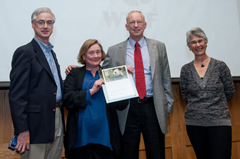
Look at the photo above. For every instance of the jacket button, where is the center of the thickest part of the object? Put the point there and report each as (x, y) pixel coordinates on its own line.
(54, 110)
(55, 93)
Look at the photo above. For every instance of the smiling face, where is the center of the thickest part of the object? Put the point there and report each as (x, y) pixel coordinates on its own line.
(42, 26)
(136, 25)
(197, 45)
(93, 57)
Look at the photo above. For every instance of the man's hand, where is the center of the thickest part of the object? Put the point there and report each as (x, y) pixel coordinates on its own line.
(69, 68)
(23, 142)
(97, 85)
(130, 69)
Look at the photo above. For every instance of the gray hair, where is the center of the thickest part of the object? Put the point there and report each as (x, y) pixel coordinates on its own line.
(40, 10)
(196, 32)
(133, 12)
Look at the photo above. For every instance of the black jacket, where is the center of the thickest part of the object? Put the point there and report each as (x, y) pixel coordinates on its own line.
(74, 99)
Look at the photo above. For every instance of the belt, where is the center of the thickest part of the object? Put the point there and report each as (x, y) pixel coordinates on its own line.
(58, 104)
(144, 100)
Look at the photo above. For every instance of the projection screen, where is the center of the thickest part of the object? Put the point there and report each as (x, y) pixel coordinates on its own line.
(167, 21)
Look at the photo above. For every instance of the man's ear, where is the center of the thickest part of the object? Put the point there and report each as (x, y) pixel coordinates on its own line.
(32, 25)
(126, 26)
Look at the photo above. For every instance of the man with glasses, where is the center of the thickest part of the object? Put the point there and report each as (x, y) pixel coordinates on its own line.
(36, 92)
(147, 61)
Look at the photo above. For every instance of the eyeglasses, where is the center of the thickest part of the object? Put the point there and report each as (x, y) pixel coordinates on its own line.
(42, 23)
(196, 41)
(139, 22)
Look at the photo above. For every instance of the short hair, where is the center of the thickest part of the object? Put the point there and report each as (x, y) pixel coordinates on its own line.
(133, 12)
(86, 45)
(40, 10)
(196, 32)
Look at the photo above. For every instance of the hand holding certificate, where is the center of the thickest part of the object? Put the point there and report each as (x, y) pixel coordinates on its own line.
(119, 84)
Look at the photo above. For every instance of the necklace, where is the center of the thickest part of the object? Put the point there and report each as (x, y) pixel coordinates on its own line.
(202, 64)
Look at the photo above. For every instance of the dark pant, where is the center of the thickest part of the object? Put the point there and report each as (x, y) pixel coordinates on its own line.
(90, 151)
(142, 118)
(211, 142)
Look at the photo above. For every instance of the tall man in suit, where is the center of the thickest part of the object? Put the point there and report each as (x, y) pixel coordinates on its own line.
(148, 113)
(36, 92)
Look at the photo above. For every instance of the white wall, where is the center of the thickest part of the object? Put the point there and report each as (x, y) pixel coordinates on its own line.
(167, 21)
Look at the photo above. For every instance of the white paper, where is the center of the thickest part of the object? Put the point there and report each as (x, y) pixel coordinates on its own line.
(119, 84)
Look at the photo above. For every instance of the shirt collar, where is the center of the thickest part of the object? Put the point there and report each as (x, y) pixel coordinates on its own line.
(43, 45)
(132, 42)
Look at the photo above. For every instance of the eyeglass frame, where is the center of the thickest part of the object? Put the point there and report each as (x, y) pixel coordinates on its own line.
(196, 41)
(139, 22)
(43, 22)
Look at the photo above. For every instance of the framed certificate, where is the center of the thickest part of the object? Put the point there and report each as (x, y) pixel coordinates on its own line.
(119, 84)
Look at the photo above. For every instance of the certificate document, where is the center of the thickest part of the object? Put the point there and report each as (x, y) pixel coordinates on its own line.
(119, 84)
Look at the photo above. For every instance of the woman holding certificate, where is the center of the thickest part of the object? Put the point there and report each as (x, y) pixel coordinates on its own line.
(88, 132)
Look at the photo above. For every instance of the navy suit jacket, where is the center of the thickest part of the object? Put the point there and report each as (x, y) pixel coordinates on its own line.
(32, 93)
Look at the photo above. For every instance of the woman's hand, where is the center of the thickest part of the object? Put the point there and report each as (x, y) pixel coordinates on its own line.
(97, 85)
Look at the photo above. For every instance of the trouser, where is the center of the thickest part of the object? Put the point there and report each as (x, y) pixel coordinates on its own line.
(90, 151)
(211, 142)
(51, 150)
(142, 118)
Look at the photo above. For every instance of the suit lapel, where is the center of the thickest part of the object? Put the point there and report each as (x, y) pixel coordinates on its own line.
(122, 53)
(152, 53)
(41, 58)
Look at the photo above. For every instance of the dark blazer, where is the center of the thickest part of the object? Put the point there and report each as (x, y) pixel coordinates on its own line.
(32, 93)
(74, 99)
